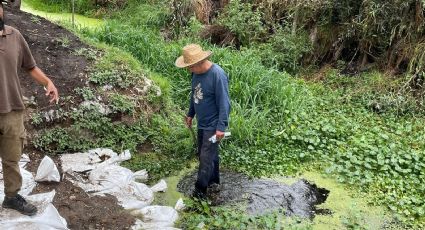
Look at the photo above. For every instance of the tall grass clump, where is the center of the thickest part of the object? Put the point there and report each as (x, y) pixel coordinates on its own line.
(279, 124)
(261, 97)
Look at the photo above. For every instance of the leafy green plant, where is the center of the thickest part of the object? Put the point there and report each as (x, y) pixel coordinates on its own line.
(117, 69)
(36, 118)
(64, 41)
(354, 221)
(86, 93)
(199, 214)
(285, 50)
(244, 20)
(90, 54)
(59, 140)
(91, 129)
(172, 148)
(279, 124)
(35, 19)
(122, 103)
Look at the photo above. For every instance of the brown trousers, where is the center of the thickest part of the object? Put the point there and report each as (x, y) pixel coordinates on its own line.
(12, 138)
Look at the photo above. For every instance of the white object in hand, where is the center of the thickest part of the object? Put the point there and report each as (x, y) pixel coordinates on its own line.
(213, 139)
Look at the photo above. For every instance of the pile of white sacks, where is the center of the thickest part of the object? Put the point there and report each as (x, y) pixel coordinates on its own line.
(47, 217)
(105, 176)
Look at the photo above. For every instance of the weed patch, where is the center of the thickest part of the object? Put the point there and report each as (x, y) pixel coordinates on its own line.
(279, 124)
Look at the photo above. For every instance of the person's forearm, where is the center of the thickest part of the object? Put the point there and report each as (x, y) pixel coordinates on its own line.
(42, 79)
(39, 76)
(222, 103)
(223, 119)
(191, 112)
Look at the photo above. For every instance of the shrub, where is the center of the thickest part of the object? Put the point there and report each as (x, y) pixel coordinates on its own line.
(285, 50)
(243, 20)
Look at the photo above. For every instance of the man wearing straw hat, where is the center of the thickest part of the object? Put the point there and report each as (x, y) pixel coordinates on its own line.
(15, 54)
(210, 103)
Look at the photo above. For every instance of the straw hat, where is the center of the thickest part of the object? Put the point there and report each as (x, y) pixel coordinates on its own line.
(192, 54)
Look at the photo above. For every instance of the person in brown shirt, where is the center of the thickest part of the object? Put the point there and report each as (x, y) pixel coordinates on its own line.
(15, 54)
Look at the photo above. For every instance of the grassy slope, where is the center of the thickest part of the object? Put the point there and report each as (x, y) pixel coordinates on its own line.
(280, 124)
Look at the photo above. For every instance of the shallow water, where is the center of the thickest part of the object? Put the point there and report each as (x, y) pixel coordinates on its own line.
(345, 204)
(80, 20)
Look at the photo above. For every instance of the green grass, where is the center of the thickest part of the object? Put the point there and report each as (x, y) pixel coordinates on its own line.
(46, 6)
(54, 15)
(84, 7)
(150, 117)
(280, 124)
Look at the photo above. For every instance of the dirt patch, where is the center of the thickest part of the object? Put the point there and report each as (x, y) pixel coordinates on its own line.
(82, 211)
(53, 48)
(221, 36)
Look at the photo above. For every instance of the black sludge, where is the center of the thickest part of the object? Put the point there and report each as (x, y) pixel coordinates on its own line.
(261, 195)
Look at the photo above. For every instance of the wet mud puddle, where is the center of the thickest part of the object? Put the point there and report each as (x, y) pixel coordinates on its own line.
(261, 196)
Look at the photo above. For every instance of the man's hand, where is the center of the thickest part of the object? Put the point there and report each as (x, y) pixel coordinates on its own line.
(219, 135)
(42, 79)
(52, 92)
(188, 121)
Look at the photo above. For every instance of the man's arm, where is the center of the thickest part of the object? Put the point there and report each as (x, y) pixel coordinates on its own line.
(223, 105)
(28, 63)
(42, 79)
(191, 113)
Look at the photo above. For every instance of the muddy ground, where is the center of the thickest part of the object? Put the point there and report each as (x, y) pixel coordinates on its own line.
(261, 196)
(54, 48)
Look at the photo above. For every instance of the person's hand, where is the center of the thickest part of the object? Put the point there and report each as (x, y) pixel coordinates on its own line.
(219, 135)
(52, 92)
(188, 121)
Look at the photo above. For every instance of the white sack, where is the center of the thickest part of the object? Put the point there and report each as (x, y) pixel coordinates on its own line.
(47, 217)
(77, 162)
(108, 177)
(47, 171)
(119, 181)
(84, 162)
(152, 226)
(135, 196)
(28, 183)
(141, 175)
(161, 186)
(179, 205)
(156, 213)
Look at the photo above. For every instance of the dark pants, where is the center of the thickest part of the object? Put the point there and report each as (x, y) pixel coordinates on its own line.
(208, 172)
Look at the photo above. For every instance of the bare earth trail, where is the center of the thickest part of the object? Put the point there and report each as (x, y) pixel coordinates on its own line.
(53, 48)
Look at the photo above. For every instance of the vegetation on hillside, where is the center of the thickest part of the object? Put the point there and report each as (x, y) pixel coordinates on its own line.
(366, 129)
(94, 8)
(122, 107)
(386, 34)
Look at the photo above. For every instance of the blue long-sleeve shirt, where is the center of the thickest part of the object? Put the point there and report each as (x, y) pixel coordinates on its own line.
(210, 99)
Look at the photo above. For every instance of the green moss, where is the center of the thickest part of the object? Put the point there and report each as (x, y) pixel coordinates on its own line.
(349, 208)
(170, 197)
(80, 21)
(279, 124)
(163, 83)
